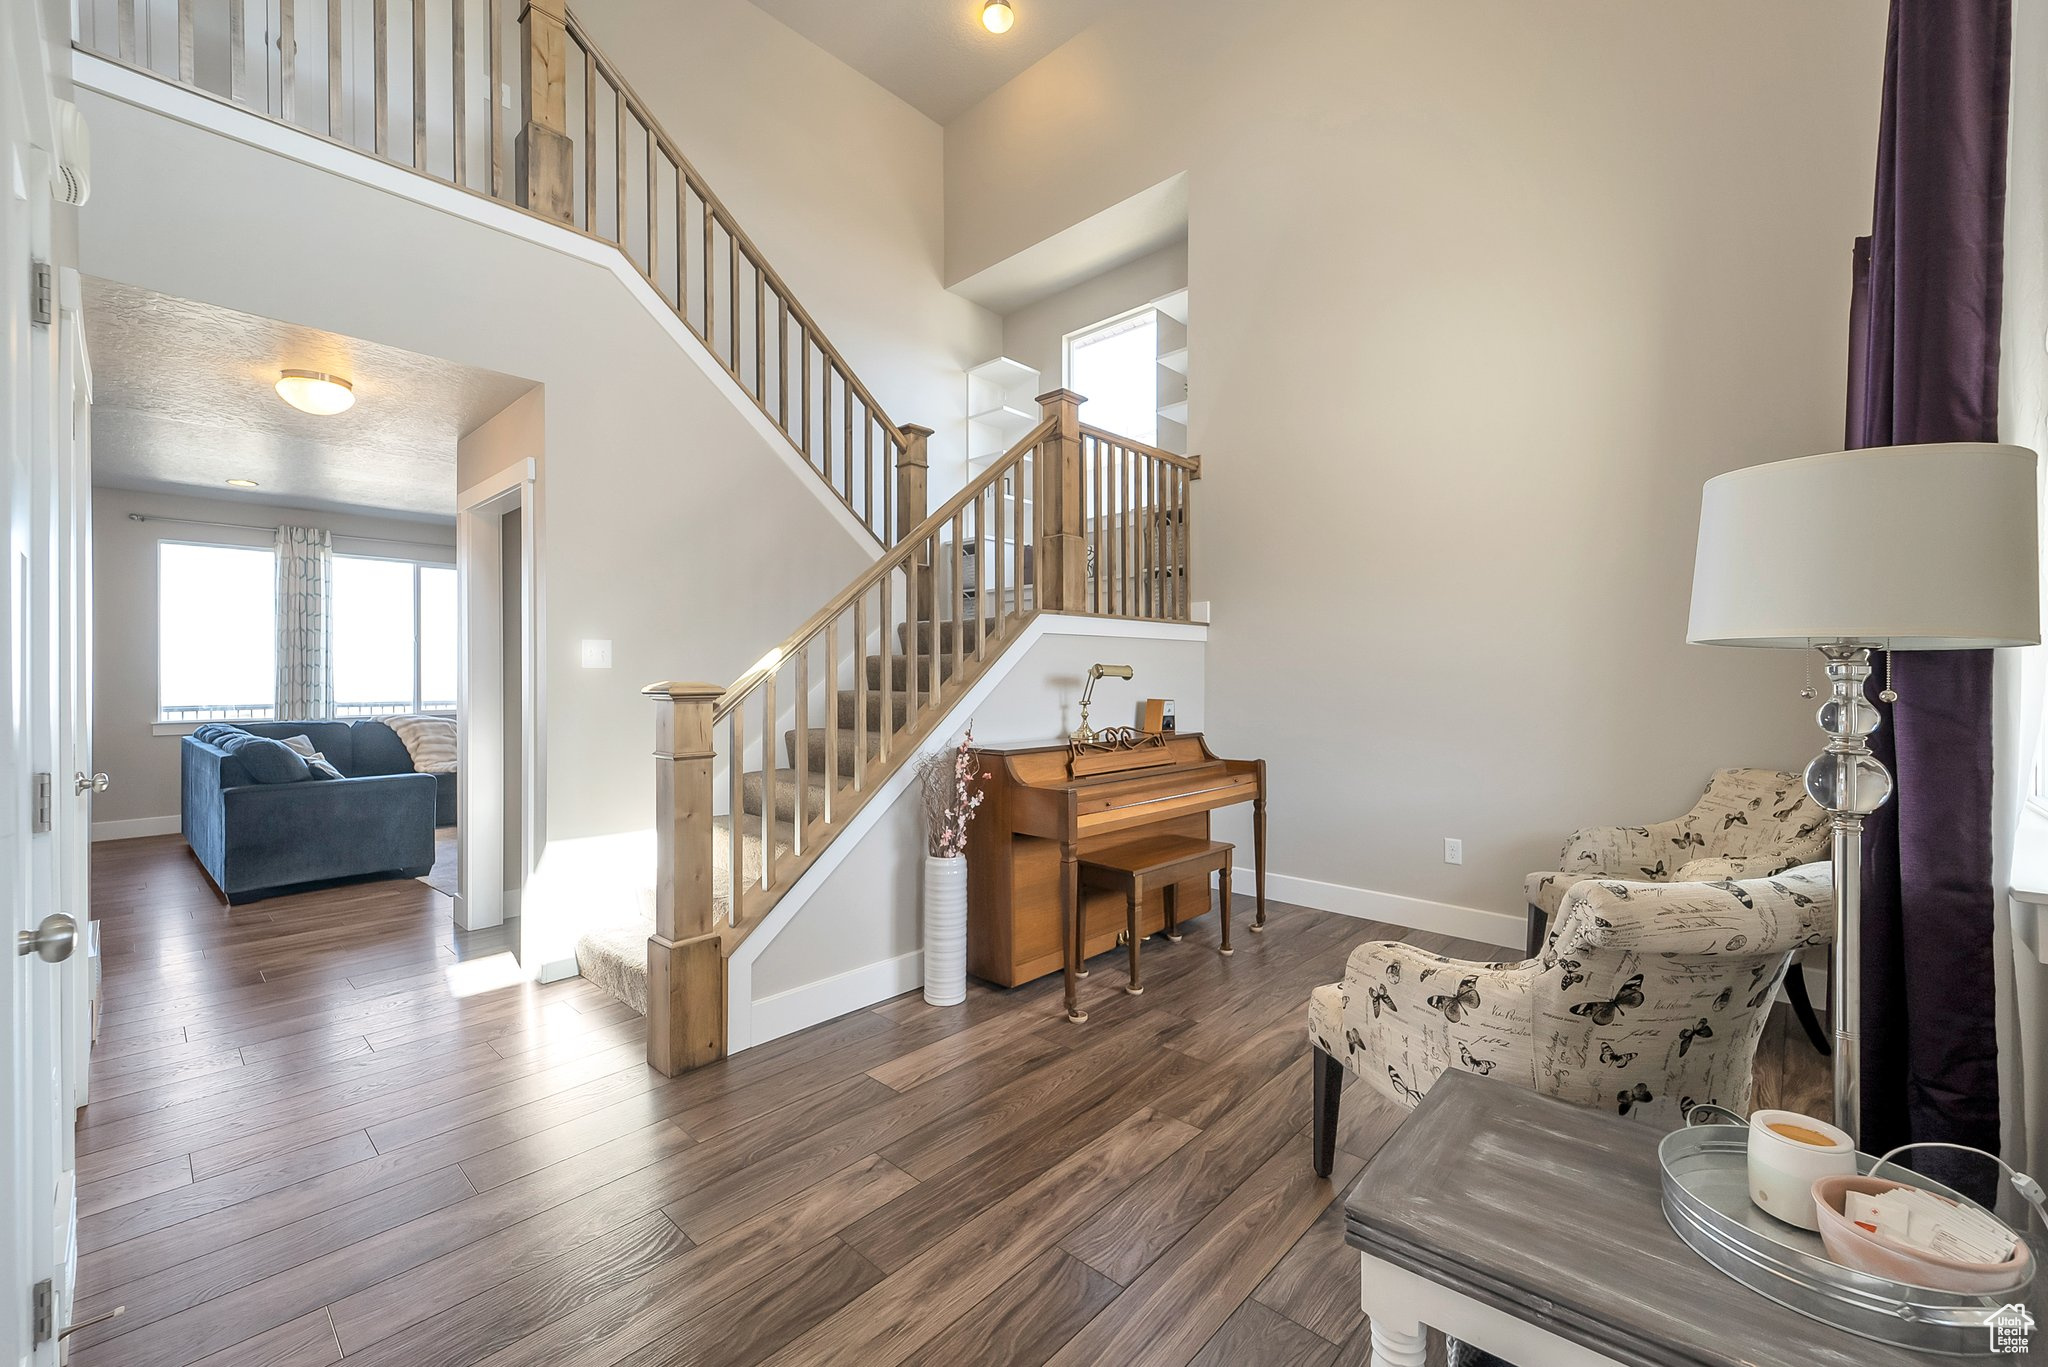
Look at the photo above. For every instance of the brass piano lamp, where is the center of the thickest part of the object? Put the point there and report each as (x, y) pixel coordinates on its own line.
(1084, 733)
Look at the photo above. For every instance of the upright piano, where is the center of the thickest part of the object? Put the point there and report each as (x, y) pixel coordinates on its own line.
(1046, 806)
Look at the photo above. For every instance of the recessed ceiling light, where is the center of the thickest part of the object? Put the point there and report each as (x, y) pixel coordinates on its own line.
(311, 391)
(242, 483)
(997, 16)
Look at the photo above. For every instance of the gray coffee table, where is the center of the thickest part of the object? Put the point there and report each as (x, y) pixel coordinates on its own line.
(1534, 1230)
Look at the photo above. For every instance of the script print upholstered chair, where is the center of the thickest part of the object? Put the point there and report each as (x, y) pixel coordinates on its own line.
(1647, 998)
(1748, 824)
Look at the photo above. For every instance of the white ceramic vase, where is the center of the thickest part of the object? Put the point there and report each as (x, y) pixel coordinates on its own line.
(945, 930)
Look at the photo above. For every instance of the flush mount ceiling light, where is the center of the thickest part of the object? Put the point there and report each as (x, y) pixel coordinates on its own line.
(241, 484)
(997, 16)
(311, 391)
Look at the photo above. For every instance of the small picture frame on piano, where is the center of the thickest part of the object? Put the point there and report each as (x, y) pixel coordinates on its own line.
(1155, 716)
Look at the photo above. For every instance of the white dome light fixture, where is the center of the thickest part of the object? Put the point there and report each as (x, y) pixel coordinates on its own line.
(997, 16)
(313, 391)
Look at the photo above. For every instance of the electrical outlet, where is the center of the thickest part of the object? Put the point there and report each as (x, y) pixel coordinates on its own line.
(597, 654)
(1454, 850)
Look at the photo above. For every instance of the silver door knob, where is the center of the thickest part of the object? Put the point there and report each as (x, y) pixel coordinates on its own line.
(95, 784)
(52, 941)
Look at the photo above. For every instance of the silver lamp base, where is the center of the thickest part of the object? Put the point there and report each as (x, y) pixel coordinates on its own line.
(1850, 783)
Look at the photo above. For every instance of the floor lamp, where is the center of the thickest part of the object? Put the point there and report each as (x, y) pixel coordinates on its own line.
(1931, 547)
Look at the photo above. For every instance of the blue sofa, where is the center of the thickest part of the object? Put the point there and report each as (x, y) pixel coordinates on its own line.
(261, 824)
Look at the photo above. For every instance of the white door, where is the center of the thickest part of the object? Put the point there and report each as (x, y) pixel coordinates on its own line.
(36, 1209)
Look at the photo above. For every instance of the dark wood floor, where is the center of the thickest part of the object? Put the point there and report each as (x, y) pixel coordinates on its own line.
(305, 1142)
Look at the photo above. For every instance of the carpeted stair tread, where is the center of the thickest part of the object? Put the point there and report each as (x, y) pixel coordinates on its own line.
(849, 702)
(899, 670)
(615, 956)
(849, 741)
(785, 794)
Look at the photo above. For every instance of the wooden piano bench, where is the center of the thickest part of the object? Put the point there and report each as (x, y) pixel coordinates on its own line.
(1157, 861)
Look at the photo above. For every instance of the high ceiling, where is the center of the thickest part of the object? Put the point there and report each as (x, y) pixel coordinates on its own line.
(934, 54)
(183, 402)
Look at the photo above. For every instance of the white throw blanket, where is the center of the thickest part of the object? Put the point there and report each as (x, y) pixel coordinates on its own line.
(429, 740)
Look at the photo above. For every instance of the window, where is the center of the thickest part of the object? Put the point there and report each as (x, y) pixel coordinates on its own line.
(1116, 366)
(216, 632)
(394, 637)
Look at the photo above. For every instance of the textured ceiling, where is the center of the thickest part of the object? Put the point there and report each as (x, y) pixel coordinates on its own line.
(934, 54)
(183, 402)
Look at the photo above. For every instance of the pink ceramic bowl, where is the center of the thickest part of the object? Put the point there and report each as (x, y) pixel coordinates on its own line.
(1853, 1246)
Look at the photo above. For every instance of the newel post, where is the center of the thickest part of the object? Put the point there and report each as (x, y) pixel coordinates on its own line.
(685, 961)
(912, 468)
(543, 152)
(1062, 570)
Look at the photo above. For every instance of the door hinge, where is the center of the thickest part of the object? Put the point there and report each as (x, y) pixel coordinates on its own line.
(42, 294)
(43, 1311)
(43, 813)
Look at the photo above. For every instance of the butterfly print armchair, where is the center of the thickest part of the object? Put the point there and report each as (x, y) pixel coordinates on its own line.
(1647, 998)
(1749, 823)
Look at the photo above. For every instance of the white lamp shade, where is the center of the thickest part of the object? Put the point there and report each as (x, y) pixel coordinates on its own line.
(1933, 547)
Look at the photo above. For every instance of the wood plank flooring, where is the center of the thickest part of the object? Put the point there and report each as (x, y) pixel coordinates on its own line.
(306, 1146)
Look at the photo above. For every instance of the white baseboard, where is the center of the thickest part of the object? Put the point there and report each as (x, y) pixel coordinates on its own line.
(1504, 928)
(139, 826)
(785, 1013)
(555, 970)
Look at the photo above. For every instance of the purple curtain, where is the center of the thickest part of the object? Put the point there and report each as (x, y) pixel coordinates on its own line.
(1924, 368)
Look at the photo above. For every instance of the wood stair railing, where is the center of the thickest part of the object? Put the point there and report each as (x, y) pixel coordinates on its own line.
(413, 82)
(1070, 519)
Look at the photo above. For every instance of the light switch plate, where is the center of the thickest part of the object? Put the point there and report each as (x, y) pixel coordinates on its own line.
(597, 654)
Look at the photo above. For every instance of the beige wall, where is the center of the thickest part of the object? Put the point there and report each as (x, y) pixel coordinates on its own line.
(1036, 334)
(143, 765)
(1484, 290)
(838, 181)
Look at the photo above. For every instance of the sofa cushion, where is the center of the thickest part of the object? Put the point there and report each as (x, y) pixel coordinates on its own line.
(379, 750)
(334, 739)
(266, 760)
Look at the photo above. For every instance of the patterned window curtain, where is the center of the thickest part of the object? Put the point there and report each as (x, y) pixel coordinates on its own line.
(305, 622)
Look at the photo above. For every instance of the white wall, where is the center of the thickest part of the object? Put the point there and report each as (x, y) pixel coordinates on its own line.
(1036, 334)
(838, 181)
(672, 525)
(1484, 291)
(856, 938)
(143, 798)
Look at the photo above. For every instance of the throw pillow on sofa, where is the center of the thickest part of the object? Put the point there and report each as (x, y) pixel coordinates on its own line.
(321, 766)
(268, 761)
(215, 731)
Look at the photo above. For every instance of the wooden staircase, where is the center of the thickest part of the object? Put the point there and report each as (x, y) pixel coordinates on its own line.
(1071, 519)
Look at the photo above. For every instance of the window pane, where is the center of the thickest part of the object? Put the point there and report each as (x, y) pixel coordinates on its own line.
(1117, 368)
(216, 632)
(373, 636)
(437, 639)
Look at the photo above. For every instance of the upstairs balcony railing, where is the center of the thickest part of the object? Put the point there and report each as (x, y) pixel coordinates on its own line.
(516, 102)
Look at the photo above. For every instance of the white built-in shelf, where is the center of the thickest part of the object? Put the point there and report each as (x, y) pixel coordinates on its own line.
(1008, 420)
(1176, 412)
(1175, 360)
(1174, 306)
(1004, 373)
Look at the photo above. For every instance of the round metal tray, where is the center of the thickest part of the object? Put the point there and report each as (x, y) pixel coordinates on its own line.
(1706, 1199)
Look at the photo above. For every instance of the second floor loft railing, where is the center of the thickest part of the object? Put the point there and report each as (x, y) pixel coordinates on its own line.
(514, 101)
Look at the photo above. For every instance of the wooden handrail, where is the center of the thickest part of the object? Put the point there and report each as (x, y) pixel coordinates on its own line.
(891, 562)
(746, 243)
(1192, 464)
